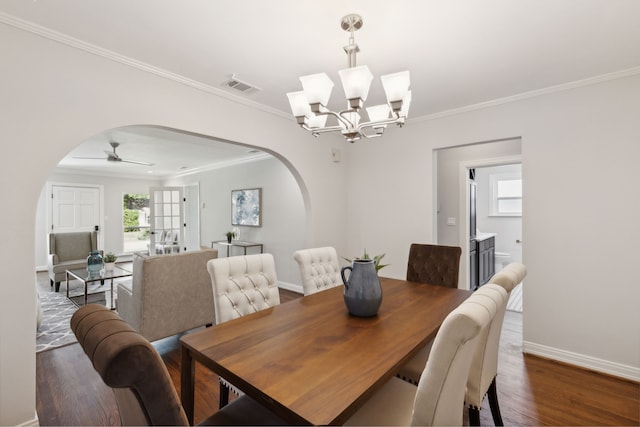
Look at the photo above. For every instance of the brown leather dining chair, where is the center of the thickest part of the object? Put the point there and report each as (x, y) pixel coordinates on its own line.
(141, 383)
(434, 264)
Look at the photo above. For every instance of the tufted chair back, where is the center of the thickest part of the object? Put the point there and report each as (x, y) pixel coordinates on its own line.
(484, 366)
(434, 264)
(129, 364)
(439, 398)
(243, 285)
(441, 389)
(510, 276)
(319, 269)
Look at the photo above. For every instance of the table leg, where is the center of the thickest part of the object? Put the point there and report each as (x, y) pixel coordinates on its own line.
(111, 306)
(67, 274)
(187, 377)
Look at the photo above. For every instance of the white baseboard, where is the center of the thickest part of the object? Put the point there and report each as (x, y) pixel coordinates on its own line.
(291, 287)
(34, 422)
(583, 361)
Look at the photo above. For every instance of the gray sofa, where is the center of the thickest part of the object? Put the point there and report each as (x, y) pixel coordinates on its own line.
(68, 251)
(168, 294)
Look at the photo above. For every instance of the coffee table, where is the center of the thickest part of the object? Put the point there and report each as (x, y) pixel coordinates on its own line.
(86, 278)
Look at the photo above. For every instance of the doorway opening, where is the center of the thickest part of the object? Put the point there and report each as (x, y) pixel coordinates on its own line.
(452, 224)
(497, 215)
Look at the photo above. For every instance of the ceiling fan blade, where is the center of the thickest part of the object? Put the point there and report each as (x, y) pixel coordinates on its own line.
(136, 162)
(112, 156)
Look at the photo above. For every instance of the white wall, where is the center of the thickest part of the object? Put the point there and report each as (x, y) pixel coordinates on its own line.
(579, 149)
(579, 153)
(54, 97)
(283, 229)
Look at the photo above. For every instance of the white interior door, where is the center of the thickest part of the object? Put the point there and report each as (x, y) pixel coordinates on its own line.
(74, 208)
(167, 219)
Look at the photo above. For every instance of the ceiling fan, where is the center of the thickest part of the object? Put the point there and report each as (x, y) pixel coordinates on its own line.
(112, 156)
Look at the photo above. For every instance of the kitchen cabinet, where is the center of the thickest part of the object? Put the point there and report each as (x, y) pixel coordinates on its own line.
(473, 264)
(486, 259)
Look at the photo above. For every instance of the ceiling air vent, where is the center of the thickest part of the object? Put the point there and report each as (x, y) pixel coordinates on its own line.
(237, 84)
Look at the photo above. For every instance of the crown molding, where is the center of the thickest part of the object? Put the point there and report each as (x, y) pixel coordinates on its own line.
(155, 177)
(225, 164)
(81, 171)
(122, 59)
(532, 94)
(90, 48)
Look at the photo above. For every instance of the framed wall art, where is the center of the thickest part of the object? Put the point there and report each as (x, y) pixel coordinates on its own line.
(246, 207)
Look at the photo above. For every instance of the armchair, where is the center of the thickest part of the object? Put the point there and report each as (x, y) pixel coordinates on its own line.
(168, 294)
(69, 251)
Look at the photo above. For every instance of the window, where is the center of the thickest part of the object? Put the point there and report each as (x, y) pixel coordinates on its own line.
(135, 221)
(506, 194)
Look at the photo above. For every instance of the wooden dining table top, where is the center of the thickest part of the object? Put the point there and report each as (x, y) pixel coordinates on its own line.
(310, 361)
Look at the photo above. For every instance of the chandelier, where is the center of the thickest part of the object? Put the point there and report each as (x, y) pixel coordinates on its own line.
(309, 106)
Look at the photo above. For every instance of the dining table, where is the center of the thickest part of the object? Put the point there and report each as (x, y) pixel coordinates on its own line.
(311, 362)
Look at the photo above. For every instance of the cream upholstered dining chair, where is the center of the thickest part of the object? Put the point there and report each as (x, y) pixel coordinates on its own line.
(484, 369)
(319, 269)
(510, 276)
(241, 285)
(484, 365)
(141, 383)
(434, 264)
(439, 397)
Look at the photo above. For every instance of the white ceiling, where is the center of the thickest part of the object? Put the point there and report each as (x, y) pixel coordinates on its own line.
(460, 52)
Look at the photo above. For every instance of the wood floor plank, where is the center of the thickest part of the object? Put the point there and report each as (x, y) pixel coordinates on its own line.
(532, 391)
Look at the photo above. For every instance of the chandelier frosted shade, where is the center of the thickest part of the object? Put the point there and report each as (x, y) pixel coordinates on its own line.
(299, 104)
(356, 82)
(396, 86)
(310, 106)
(378, 112)
(317, 88)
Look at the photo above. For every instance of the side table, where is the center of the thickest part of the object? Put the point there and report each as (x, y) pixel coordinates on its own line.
(238, 243)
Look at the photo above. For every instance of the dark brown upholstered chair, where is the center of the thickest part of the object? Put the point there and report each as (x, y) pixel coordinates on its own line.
(144, 392)
(434, 264)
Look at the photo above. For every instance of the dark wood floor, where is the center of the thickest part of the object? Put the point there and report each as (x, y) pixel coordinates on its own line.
(532, 391)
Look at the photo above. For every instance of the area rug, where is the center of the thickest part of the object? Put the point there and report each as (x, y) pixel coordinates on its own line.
(57, 309)
(54, 331)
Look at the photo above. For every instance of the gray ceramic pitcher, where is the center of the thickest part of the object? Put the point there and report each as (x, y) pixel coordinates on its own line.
(362, 290)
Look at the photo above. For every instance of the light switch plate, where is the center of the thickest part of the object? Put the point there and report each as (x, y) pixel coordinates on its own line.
(335, 155)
